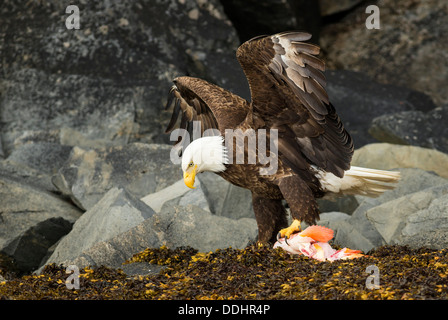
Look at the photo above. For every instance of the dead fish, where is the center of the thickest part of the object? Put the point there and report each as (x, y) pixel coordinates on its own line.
(313, 242)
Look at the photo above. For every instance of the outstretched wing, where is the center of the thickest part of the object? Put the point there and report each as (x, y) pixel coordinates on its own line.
(211, 106)
(288, 91)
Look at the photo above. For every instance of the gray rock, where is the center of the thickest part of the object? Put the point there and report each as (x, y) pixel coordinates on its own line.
(356, 231)
(194, 197)
(36, 163)
(197, 228)
(327, 218)
(388, 156)
(66, 109)
(425, 221)
(141, 168)
(346, 204)
(32, 247)
(117, 212)
(27, 175)
(173, 226)
(32, 221)
(212, 193)
(106, 43)
(415, 128)
(2, 153)
(115, 251)
(413, 219)
(224, 198)
(434, 239)
(412, 180)
(44, 157)
(408, 50)
(352, 233)
(106, 82)
(358, 100)
(177, 194)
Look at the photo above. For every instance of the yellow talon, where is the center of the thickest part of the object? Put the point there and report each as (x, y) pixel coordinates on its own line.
(294, 227)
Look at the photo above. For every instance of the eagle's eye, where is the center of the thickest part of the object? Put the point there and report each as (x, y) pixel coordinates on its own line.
(191, 164)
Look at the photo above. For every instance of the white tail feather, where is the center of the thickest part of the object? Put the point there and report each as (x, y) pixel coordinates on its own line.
(357, 180)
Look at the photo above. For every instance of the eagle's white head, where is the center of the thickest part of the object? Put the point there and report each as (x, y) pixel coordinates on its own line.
(203, 154)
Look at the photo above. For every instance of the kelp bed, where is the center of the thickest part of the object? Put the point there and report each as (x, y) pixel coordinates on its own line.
(257, 272)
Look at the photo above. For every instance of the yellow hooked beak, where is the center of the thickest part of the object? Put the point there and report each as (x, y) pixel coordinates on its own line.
(189, 176)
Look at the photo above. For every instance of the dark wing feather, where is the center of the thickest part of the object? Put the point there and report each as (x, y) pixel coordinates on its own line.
(198, 100)
(288, 92)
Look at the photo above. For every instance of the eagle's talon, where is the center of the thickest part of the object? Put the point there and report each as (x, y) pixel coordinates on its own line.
(287, 232)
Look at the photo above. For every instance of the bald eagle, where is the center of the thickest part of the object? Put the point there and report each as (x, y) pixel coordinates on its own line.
(313, 149)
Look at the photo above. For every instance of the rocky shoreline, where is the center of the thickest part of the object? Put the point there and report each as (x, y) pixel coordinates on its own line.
(85, 175)
(114, 219)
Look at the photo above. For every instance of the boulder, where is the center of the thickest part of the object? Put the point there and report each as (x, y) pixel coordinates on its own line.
(359, 99)
(28, 176)
(44, 157)
(65, 109)
(357, 231)
(173, 226)
(409, 49)
(177, 194)
(418, 219)
(226, 199)
(115, 251)
(346, 204)
(327, 218)
(356, 235)
(142, 168)
(411, 180)
(389, 156)
(330, 220)
(212, 193)
(197, 228)
(415, 128)
(106, 82)
(32, 221)
(117, 212)
(36, 163)
(2, 153)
